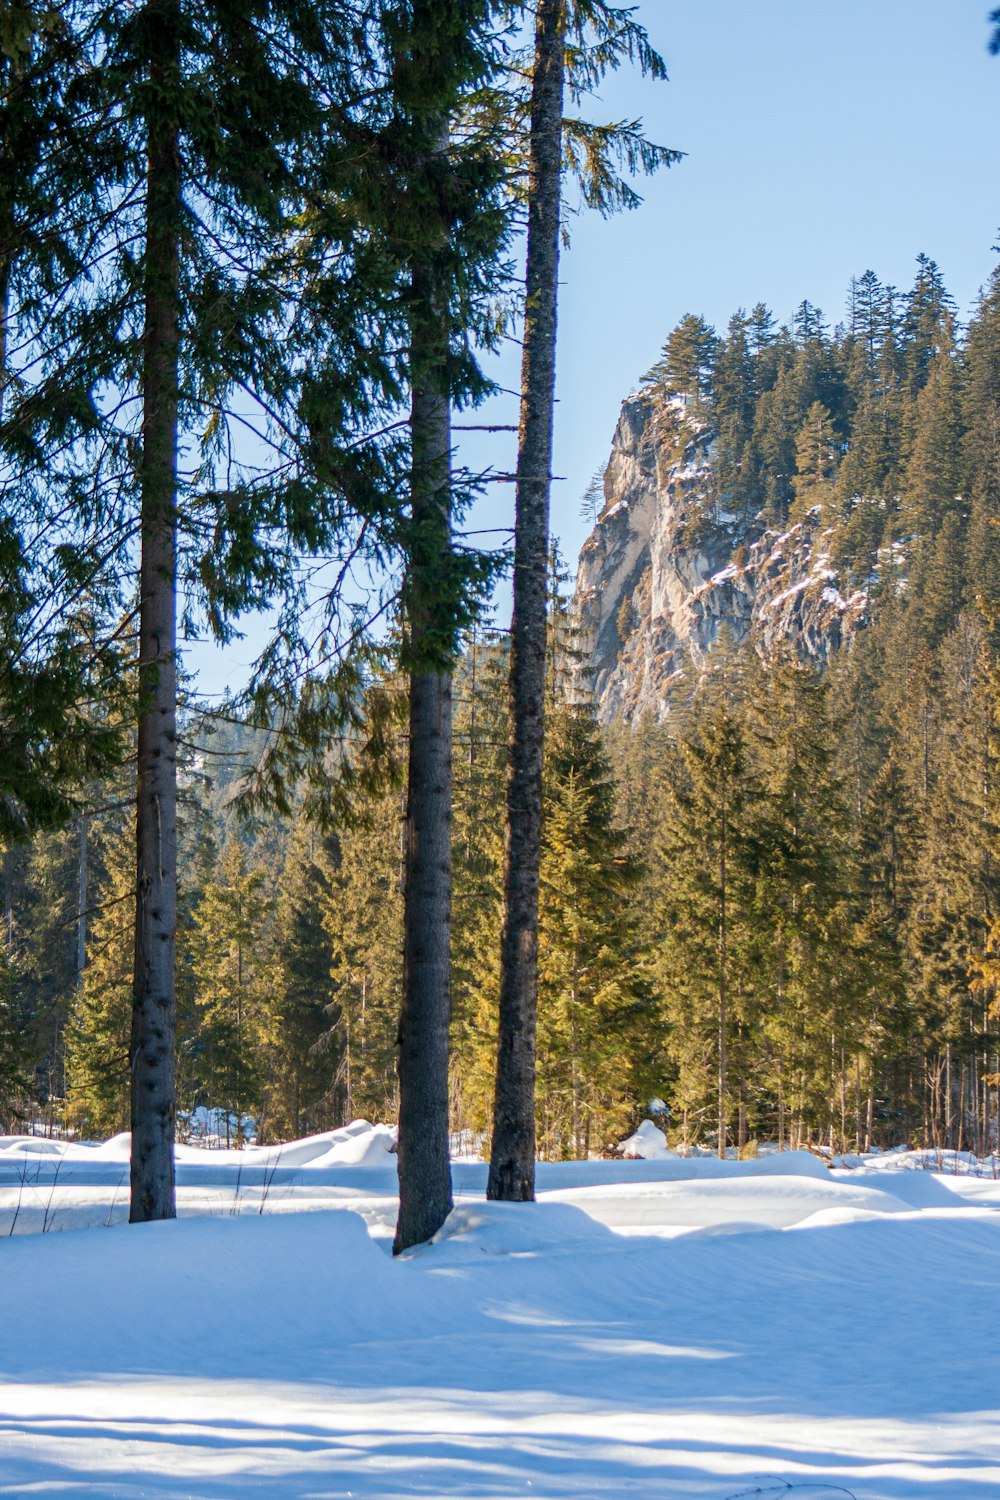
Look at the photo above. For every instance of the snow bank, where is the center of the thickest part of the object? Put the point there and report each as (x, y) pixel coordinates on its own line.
(520, 1229)
(650, 1327)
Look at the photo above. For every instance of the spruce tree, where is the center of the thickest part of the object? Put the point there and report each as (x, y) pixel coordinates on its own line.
(815, 461)
(707, 859)
(601, 36)
(304, 1093)
(15, 1053)
(806, 894)
(363, 923)
(686, 361)
(480, 739)
(597, 1019)
(980, 408)
(53, 605)
(99, 1031)
(234, 991)
(512, 1156)
(439, 52)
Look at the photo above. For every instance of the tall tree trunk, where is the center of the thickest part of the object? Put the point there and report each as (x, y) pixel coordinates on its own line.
(512, 1160)
(82, 884)
(5, 270)
(424, 1170)
(153, 1005)
(723, 979)
(10, 79)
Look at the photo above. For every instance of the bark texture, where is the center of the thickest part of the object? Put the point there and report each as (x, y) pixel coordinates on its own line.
(153, 1003)
(424, 1168)
(512, 1161)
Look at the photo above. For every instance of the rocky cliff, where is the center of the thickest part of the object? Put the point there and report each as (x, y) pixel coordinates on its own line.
(670, 563)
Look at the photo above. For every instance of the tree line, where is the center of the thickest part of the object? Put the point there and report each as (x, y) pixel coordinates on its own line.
(826, 844)
(250, 261)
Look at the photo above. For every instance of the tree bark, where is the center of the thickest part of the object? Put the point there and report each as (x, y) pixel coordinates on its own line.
(723, 977)
(512, 1161)
(9, 79)
(423, 1160)
(153, 1004)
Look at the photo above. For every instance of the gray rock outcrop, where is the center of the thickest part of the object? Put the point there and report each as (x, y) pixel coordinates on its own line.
(668, 566)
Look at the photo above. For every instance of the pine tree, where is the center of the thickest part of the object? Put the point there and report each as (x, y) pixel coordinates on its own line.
(815, 462)
(304, 1092)
(981, 418)
(686, 361)
(229, 945)
(603, 35)
(363, 922)
(480, 745)
(933, 479)
(707, 862)
(15, 1054)
(597, 1021)
(97, 1062)
(806, 897)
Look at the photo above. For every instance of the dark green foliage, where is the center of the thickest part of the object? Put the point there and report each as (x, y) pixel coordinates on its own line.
(686, 364)
(305, 1091)
(15, 1050)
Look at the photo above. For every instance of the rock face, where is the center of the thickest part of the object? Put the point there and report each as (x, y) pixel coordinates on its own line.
(668, 566)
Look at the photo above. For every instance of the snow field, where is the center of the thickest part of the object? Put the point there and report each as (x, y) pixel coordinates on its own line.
(684, 1329)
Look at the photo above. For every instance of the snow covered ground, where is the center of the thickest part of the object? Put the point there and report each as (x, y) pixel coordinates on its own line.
(666, 1329)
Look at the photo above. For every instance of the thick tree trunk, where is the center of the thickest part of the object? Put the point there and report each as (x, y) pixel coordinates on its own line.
(512, 1162)
(153, 1006)
(424, 1169)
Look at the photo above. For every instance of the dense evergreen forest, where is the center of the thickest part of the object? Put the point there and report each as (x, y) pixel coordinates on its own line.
(252, 261)
(773, 910)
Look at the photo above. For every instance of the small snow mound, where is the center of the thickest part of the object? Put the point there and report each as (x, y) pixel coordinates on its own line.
(518, 1228)
(31, 1146)
(787, 1164)
(115, 1148)
(321, 1149)
(648, 1144)
(727, 1227)
(372, 1147)
(916, 1189)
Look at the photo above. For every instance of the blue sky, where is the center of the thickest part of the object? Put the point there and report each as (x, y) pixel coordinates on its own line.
(822, 139)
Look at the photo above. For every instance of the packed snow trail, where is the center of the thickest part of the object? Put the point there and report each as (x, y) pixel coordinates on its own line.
(648, 1329)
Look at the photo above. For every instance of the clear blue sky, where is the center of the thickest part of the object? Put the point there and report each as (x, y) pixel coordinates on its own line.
(821, 139)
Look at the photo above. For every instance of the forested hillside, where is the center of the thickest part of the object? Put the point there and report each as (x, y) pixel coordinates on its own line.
(768, 889)
(812, 771)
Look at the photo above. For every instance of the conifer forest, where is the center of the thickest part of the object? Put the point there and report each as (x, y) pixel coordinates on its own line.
(499, 749)
(253, 263)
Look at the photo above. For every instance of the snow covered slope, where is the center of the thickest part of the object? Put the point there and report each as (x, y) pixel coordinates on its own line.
(655, 1329)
